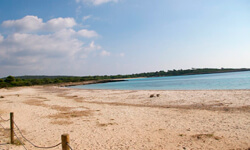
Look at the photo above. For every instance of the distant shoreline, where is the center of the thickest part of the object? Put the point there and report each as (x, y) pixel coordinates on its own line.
(89, 82)
(18, 81)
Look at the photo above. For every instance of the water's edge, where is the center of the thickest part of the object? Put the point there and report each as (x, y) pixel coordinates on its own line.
(89, 82)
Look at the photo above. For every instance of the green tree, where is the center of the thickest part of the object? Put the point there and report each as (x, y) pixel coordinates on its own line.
(10, 79)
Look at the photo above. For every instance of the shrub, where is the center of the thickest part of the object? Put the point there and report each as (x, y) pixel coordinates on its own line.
(10, 79)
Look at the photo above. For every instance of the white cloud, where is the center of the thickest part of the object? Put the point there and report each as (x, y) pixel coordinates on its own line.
(92, 47)
(65, 34)
(105, 53)
(22, 47)
(88, 49)
(96, 2)
(86, 17)
(35, 24)
(26, 24)
(59, 23)
(25, 45)
(1, 38)
(87, 33)
(121, 54)
(53, 47)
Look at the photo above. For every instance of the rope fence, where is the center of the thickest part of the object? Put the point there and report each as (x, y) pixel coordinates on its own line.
(20, 141)
(69, 146)
(33, 143)
(64, 138)
(4, 119)
(2, 126)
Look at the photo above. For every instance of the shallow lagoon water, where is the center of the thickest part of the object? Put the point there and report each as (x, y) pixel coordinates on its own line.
(215, 81)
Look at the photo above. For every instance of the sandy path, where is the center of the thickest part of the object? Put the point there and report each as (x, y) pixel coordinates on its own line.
(115, 119)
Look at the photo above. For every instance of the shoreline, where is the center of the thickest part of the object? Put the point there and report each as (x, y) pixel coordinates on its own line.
(86, 82)
(129, 119)
(160, 90)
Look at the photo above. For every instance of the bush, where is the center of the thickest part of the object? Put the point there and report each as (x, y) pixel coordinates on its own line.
(3, 84)
(10, 79)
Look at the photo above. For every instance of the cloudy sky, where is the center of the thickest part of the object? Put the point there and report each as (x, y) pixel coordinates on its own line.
(99, 37)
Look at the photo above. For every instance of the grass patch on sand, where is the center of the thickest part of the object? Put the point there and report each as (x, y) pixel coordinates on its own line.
(18, 142)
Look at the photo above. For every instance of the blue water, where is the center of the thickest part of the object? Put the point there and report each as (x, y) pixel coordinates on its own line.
(234, 80)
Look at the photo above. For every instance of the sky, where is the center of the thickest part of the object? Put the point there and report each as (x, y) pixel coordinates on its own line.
(109, 37)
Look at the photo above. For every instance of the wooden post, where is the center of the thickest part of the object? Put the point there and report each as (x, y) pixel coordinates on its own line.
(12, 128)
(65, 141)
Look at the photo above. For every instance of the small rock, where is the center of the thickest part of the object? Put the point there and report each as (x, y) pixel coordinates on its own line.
(151, 96)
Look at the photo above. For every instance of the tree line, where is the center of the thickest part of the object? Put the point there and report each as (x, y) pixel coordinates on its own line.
(12, 81)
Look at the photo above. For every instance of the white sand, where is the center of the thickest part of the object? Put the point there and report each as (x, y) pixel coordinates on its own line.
(122, 119)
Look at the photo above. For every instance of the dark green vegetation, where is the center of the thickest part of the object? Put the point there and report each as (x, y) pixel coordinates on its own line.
(11, 81)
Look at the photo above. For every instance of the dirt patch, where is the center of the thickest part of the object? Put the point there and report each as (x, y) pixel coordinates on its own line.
(5, 133)
(78, 100)
(104, 124)
(34, 102)
(39, 97)
(67, 97)
(61, 108)
(72, 114)
(128, 92)
(205, 136)
(61, 122)
(213, 107)
(1, 111)
(41, 103)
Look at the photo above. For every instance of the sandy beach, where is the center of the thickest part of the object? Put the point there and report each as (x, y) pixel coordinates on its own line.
(126, 119)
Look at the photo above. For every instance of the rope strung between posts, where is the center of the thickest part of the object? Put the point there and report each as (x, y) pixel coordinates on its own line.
(20, 141)
(69, 146)
(4, 119)
(32, 143)
(3, 127)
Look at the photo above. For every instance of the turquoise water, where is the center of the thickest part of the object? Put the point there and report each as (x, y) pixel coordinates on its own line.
(234, 80)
